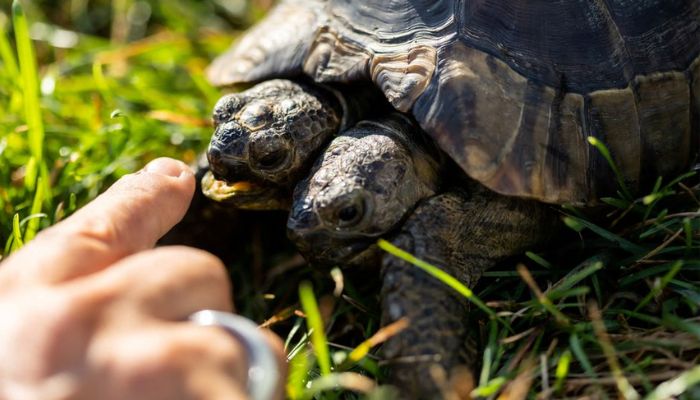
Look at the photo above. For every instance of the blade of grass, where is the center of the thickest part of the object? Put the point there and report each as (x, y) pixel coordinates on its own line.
(595, 142)
(299, 347)
(32, 110)
(624, 387)
(636, 315)
(563, 294)
(297, 378)
(677, 386)
(690, 265)
(538, 259)
(490, 388)
(31, 173)
(656, 228)
(345, 380)
(16, 235)
(562, 370)
(101, 81)
(681, 324)
(439, 274)
(380, 336)
(615, 202)
(663, 247)
(680, 179)
(577, 349)
(6, 54)
(30, 82)
(583, 271)
(541, 297)
(315, 326)
(688, 229)
(33, 223)
(488, 355)
(620, 241)
(662, 285)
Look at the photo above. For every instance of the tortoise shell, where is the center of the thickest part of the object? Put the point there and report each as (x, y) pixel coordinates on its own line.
(510, 89)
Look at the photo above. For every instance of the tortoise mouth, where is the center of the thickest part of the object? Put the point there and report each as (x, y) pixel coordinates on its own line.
(321, 247)
(245, 194)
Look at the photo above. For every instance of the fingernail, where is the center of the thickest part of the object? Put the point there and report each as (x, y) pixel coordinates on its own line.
(167, 167)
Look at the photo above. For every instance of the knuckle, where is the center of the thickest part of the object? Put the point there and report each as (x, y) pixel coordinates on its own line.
(198, 260)
(89, 235)
(97, 231)
(171, 356)
(204, 266)
(202, 257)
(212, 275)
(218, 349)
(188, 349)
(159, 358)
(173, 352)
(222, 346)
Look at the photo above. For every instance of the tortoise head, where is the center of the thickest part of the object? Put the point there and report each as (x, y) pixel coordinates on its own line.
(265, 140)
(364, 184)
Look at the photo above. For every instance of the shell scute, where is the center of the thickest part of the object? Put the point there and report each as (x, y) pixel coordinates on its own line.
(613, 119)
(664, 111)
(473, 108)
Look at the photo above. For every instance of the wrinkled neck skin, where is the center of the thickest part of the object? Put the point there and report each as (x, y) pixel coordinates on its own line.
(359, 101)
(362, 187)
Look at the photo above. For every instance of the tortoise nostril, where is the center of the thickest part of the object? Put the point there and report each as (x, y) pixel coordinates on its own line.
(302, 218)
(216, 165)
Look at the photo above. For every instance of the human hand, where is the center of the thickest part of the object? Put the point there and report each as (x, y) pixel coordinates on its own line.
(89, 310)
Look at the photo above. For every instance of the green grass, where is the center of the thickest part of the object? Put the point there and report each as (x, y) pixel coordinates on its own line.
(315, 327)
(612, 310)
(62, 140)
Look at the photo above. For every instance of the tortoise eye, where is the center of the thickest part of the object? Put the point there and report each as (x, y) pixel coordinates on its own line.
(351, 214)
(272, 160)
(348, 214)
(270, 153)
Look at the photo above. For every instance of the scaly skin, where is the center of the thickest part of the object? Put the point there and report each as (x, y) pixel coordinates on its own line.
(267, 137)
(464, 232)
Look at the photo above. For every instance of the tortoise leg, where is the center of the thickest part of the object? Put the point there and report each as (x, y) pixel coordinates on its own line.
(464, 233)
(277, 46)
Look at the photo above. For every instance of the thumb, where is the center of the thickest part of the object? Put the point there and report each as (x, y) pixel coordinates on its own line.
(129, 217)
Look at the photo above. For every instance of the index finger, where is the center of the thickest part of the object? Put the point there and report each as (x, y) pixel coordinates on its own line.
(129, 217)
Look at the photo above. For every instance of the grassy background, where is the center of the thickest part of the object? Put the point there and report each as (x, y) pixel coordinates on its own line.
(610, 311)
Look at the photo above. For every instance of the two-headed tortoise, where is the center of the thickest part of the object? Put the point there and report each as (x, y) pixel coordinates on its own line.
(509, 90)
